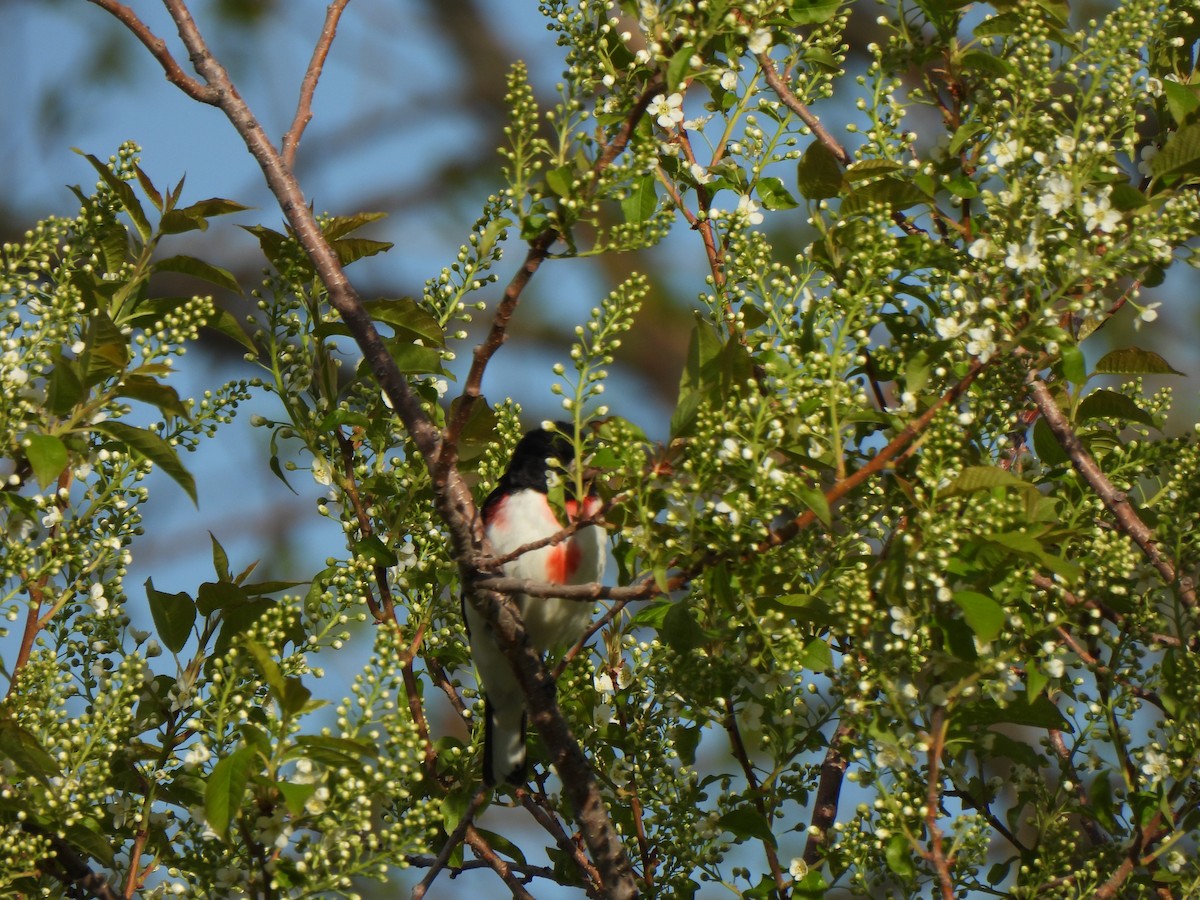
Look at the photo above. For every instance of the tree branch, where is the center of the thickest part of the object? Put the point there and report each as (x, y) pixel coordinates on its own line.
(308, 87)
(829, 790)
(158, 49)
(1114, 501)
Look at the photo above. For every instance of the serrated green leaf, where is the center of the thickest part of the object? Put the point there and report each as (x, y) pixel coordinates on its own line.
(272, 243)
(47, 457)
(963, 134)
(173, 614)
(149, 390)
(1106, 404)
(1180, 155)
(351, 249)
(124, 194)
(226, 323)
(375, 551)
(220, 559)
(407, 316)
(198, 268)
(149, 188)
(1134, 361)
(226, 787)
(268, 668)
(982, 613)
(150, 446)
(871, 168)
(814, 498)
(819, 174)
(340, 226)
(893, 194)
(745, 822)
(984, 478)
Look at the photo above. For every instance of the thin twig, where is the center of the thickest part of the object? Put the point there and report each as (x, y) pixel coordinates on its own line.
(308, 87)
(538, 807)
(792, 102)
(936, 853)
(452, 841)
(484, 851)
(738, 747)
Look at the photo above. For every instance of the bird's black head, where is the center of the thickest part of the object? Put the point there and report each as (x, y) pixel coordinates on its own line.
(528, 469)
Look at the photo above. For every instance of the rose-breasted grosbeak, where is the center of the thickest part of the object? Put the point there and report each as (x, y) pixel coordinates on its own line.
(516, 513)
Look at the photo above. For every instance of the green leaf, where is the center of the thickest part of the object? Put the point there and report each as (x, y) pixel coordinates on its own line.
(47, 456)
(150, 446)
(812, 12)
(871, 168)
(375, 551)
(268, 668)
(679, 66)
(819, 174)
(1180, 155)
(774, 195)
(408, 317)
(814, 498)
(149, 188)
(64, 387)
(1182, 100)
(817, 656)
(174, 615)
(220, 560)
(983, 614)
(1046, 445)
(150, 390)
(198, 268)
(680, 630)
(893, 194)
(413, 359)
(745, 822)
(226, 788)
(963, 134)
(124, 194)
(985, 64)
(226, 323)
(295, 796)
(1134, 361)
(559, 180)
(352, 249)
(24, 749)
(1106, 404)
(983, 478)
(333, 750)
(898, 854)
(642, 200)
(1074, 367)
(272, 243)
(340, 226)
(214, 595)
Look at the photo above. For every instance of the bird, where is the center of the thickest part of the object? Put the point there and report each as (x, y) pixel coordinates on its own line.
(516, 513)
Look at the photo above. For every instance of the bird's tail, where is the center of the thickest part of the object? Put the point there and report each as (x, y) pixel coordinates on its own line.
(504, 743)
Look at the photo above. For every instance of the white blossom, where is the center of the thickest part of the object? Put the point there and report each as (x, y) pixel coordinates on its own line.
(667, 110)
(760, 41)
(1024, 257)
(1058, 193)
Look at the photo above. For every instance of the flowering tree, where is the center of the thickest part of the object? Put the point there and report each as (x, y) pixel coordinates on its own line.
(905, 602)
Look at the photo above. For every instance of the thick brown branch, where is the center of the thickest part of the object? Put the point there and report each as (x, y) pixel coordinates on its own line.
(829, 790)
(1114, 501)
(308, 87)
